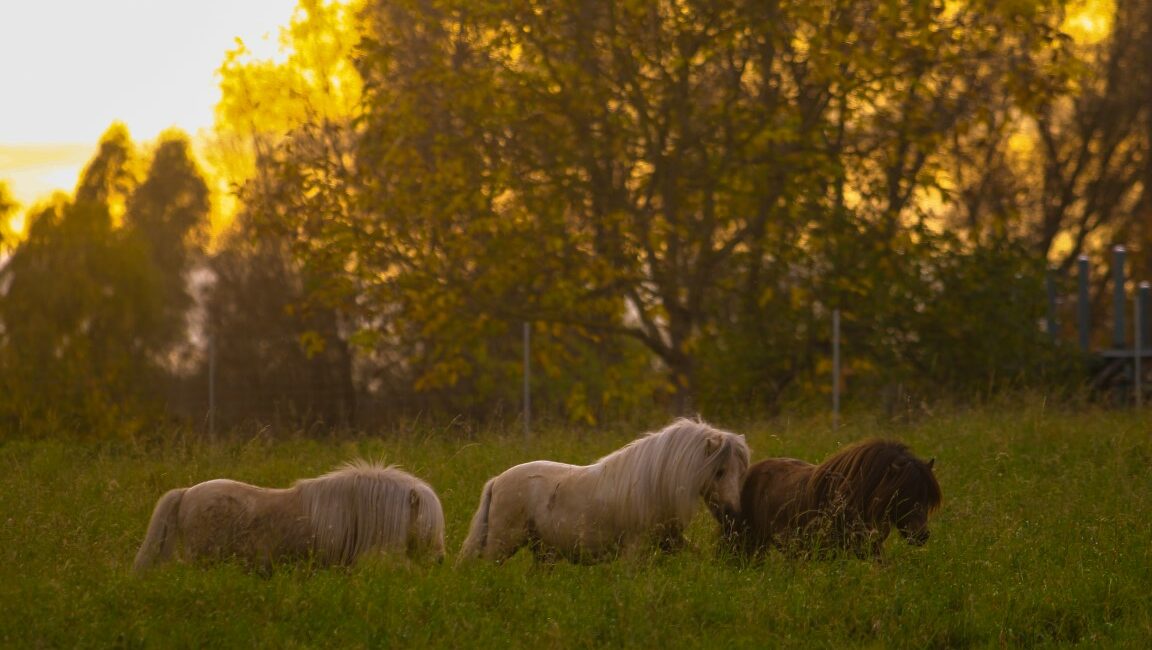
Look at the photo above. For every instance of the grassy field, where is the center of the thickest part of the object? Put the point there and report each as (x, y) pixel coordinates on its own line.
(1044, 539)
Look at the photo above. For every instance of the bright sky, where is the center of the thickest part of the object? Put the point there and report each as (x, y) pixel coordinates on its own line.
(69, 68)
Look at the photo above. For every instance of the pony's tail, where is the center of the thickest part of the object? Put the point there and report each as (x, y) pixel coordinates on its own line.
(160, 540)
(478, 531)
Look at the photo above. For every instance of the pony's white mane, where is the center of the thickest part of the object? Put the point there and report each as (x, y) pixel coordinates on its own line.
(362, 505)
(657, 478)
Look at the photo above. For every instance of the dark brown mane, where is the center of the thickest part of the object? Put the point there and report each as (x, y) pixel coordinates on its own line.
(867, 477)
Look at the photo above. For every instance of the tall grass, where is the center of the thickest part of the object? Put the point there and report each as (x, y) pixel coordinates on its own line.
(1044, 538)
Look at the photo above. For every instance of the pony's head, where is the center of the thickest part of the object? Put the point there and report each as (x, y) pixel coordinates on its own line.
(916, 496)
(662, 476)
(364, 506)
(727, 458)
(880, 482)
(426, 523)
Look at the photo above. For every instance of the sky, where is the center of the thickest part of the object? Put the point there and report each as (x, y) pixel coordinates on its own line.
(69, 68)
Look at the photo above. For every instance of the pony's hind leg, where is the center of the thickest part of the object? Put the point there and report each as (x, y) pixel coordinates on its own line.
(503, 544)
(506, 535)
(543, 553)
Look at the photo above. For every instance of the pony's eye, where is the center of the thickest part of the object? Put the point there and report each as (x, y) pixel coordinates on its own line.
(720, 473)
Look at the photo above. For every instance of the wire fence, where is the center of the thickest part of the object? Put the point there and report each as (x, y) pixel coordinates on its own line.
(222, 394)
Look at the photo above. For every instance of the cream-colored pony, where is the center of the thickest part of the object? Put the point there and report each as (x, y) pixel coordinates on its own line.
(333, 519)
(646, 492)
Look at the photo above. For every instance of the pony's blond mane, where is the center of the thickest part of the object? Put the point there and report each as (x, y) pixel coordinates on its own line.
(363, 505)
(657, 478)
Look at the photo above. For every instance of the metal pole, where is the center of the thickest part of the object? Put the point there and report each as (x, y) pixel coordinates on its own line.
(1119, 334)
(1144, 295)
(1137, 324)
(1083, 309)
(835, 368)
(527, 381)
(1140, 321)
(212, 386)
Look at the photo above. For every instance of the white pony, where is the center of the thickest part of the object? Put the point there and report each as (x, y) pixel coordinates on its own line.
(646, 492)
(333, 519)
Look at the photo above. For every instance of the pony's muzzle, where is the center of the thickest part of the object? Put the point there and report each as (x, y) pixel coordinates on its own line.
(725, 514)
(729, 513)
(917, 538)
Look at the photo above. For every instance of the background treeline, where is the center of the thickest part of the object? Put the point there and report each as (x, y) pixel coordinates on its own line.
(675, 195)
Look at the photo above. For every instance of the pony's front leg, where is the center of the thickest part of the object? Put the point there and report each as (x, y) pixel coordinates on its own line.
(867, 544)
(544, 555)
(672, 542)
(876, 550)
(865, 547)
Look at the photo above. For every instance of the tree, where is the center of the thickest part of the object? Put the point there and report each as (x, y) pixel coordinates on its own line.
(283, 134)
(79, 319)
(8, 207)
(94, 305)
(169, 212)
(641, 170)
(1060, 167)
(705, 181)
(263, 101)
(112, 174)
(275, 358)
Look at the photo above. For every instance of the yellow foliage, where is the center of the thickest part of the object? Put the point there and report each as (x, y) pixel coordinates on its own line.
(313, 343)
(264, 99)
(1089, 21)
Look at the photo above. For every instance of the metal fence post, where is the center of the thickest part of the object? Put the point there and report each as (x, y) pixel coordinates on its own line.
(1083, 309)
(527, 381)
(1144, 296)
(1140, 340)
(1137, 352)
(212, 386)
(1119, 334)
(835, 368)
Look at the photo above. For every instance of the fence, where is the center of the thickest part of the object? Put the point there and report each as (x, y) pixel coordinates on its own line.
(1120, 368)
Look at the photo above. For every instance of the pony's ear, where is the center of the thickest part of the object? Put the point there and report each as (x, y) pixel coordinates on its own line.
(413, 498)
(713, 442)
(931, 463)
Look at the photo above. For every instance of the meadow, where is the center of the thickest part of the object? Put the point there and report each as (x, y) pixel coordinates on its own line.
(1043, 539)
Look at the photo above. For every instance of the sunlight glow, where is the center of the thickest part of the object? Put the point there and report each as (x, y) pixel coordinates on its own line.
(71, 68)
(16, 223)
(1089, 21)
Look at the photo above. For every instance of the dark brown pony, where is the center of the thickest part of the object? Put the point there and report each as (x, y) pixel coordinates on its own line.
(850, 502)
